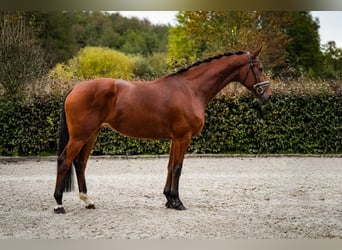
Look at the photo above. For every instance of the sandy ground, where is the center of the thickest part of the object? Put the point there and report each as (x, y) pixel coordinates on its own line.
(226, 197)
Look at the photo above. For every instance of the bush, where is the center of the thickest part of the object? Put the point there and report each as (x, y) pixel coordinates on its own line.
(94, 62)
(287, 124)
(150, 67)
(29, 128)
(308, 124)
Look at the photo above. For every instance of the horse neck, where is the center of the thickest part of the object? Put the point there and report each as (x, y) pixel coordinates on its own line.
(207, 79)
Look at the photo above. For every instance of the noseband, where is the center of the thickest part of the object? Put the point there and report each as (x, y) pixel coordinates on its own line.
(258, 86)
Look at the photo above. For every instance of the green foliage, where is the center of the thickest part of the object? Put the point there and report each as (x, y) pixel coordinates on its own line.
(182, 50)
(64, 72)
(29, 128)
(56, 33)
(332, 61)
(290, 38)
(150, 67)
(289, 123)
(94, 62)
(303, 52)
(205, 33)
(62, 34)
(110, 143)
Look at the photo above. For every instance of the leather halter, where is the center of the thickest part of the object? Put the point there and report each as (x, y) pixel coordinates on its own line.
(258, 86)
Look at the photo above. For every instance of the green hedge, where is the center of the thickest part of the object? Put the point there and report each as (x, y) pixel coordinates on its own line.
(287, 124)
(29, 128)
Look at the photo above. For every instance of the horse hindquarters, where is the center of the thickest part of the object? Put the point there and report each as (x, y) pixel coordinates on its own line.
(76, 140)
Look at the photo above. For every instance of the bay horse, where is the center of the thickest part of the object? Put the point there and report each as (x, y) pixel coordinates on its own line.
(171, 107)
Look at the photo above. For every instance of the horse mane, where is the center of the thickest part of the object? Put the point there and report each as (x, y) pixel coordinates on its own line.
(209, 59)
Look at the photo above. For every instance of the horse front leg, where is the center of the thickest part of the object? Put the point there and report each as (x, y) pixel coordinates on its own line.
(171, 189)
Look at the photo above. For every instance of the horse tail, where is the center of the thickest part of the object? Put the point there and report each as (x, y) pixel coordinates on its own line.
(68, 183)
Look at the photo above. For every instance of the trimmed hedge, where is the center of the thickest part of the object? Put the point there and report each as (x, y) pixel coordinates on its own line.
(29, 128)
(310, 124)
(286, 124)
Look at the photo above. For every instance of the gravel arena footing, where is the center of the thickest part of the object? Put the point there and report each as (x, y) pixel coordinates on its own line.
(239, 197)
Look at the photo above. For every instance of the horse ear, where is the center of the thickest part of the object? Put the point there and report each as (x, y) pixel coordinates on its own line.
(256, 52)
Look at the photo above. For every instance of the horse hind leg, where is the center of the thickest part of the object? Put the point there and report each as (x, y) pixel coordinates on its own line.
(80, 163)
(64, 180)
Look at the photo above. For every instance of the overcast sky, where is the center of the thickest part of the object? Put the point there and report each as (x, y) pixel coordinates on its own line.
(330, 29)
(155, 17)
(330, 21)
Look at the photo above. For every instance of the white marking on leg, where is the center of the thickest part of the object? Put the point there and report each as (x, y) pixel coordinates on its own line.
(87, 201)
(58, 206)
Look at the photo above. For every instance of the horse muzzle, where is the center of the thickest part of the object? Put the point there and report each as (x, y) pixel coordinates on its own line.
(261, 91)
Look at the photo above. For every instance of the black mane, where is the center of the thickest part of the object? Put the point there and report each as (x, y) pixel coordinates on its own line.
(209, 59)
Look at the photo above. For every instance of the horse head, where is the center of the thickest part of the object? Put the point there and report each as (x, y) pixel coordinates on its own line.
(253, 77)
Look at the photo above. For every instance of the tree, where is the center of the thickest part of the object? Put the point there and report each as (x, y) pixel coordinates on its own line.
(303, 52)
(205, 33)
(63, 34)
(272, 33)
(290, 39)
(21, 58)
(129, 35)
(332, 57)
(91, 29)
(182, 50)
(135, 43)
(55, 32)
(214, 32)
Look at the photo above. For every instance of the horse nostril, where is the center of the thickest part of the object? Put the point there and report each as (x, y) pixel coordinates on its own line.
(265, 98)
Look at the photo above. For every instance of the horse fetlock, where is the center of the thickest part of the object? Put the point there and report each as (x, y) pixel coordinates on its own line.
(88, 202)
(59, 209)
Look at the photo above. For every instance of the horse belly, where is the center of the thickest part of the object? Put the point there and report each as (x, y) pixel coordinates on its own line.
(140, 126)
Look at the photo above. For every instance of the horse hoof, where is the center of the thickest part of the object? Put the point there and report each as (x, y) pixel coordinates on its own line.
(59, 210)
(175, 205)
(90, 206)
(180, 207)
(168, 204)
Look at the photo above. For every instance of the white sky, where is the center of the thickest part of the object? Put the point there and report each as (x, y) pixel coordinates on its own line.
(330, 21)
(155, 17)
(330, 29)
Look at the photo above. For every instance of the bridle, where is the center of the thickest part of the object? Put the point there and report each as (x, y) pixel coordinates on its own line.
(258, 86)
